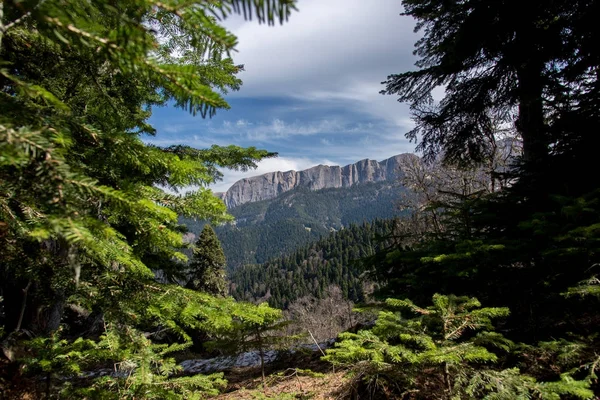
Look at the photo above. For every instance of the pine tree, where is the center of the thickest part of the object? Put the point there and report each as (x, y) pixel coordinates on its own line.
(500, 68)
(534, 75)
(79, 187)
(320, 264)
(88, 211)
(207, 267)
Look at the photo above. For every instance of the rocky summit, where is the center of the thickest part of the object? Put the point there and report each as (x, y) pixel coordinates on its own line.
(271, 185)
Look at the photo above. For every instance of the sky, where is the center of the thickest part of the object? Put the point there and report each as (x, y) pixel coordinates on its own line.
(311, 89)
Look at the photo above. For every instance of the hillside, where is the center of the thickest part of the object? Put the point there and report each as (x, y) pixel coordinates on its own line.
(310, 270)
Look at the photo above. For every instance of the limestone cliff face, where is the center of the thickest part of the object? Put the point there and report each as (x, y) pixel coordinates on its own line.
(271, 185)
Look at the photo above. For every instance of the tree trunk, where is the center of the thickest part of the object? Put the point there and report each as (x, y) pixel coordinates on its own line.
(51, 320)
(447, 381)
(18, 310)
(261, 352)
(531, 113)
(48, 385)
(23, 306)
(1, 23)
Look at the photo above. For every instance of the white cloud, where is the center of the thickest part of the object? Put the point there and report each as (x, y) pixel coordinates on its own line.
(325, 44)
(176, 128)
(329, 50)
(373, 146)
(276, 128)
(242, 123)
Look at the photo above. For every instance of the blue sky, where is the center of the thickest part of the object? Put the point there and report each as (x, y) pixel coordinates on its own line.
(311, 89)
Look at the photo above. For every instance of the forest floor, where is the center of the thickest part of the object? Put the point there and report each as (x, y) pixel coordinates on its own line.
(289, 384)
(309, 378)
(243, 384)
(292, 383)
(299, 376)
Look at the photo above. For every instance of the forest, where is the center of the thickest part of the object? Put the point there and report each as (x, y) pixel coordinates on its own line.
(312, 269)
(486, 287)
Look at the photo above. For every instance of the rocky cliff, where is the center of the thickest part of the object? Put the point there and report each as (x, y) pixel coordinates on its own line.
(271, 185)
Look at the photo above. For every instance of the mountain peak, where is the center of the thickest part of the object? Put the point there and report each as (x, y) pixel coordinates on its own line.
(271, 185)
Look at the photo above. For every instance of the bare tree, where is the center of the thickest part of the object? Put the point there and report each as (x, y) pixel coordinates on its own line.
(436, 188)
(323, 318)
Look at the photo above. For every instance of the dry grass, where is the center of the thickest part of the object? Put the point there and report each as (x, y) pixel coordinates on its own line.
(288, 384)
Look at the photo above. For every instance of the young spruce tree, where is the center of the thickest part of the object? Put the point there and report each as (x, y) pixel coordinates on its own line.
(207, 268)
(445, 351)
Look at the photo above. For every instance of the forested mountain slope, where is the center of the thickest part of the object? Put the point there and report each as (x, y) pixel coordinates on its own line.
(310, 270)
(273, 228)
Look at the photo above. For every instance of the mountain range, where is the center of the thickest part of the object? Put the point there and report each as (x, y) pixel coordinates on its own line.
(279, 212)
(273, 184)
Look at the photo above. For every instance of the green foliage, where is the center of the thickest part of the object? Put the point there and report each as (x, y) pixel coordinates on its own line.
(299, 372)
(517, 253)
(515, 248)
(563, 358)
(453, 340)
(259, 328)
(582, 240)
(250, 329)
(589, 287)
(140, 367)
(143, 369)
(52, 355)
(431, 338)
(511, 384)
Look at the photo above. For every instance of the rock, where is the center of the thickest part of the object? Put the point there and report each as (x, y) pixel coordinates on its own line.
(271, 185)
(209, 365)
(248, 359)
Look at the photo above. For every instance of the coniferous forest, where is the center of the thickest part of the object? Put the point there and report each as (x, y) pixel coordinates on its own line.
(311, 270)
(485, 287)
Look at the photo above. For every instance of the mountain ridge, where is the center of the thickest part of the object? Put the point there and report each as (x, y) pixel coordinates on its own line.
(270, 185)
